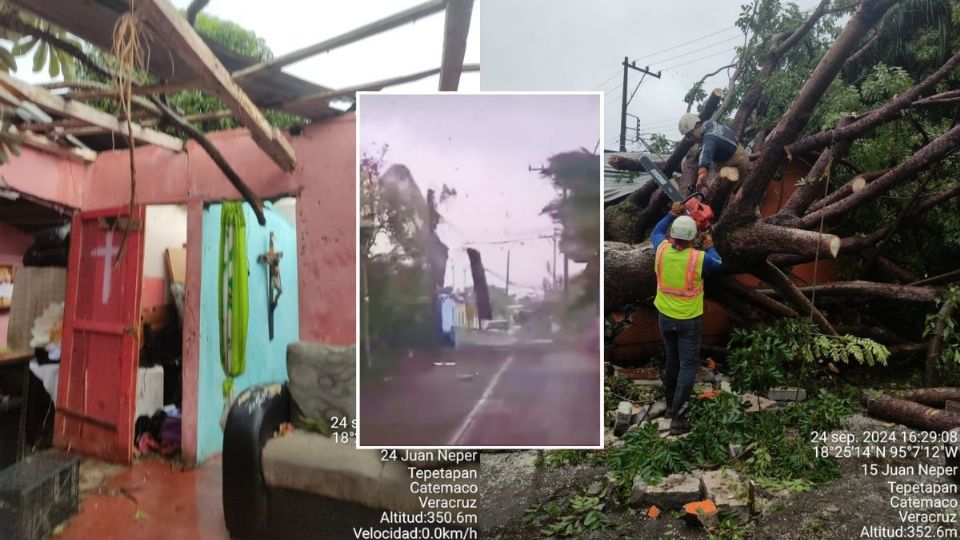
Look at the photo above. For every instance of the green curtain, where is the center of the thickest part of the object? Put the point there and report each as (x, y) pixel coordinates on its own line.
(233, 300)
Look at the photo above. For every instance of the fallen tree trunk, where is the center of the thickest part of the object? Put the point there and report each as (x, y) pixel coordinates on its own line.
(871, 289)
(932, 397)
(913, 414)
(859, 182)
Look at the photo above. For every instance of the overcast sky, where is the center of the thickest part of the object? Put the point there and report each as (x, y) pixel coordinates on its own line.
(575, 45)
(482, 145)
(288, 25)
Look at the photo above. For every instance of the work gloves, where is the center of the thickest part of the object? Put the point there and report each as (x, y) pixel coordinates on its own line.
(707, 242)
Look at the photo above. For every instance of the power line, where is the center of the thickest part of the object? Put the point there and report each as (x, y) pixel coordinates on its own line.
(700, 58)
(701, 38)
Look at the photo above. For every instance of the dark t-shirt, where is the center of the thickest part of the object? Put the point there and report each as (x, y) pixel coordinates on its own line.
(718, 145)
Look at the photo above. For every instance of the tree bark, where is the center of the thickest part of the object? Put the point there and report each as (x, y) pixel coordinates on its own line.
(752, 243)
(751, 97)
(781, 282)
(913, 414)
(930, 154)
(746, 200)
(932, 397)
(894, 270)
(628, 274)
(851, 187)
(874, 118)
(857, 243)
(873, 289)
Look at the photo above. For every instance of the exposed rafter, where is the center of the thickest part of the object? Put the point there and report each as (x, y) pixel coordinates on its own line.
(372, 86)
(187, 45)
(376, 27)
(54, 104)
(455, 29)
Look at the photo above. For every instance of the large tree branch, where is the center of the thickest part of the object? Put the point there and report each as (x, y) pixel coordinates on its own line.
(751, 97)
(936, 344)
(872, 289)
(746, 200)
(775, 277)
(867, 241)
(874, 118)
(925, 157)
(755, 242)
(851, 187)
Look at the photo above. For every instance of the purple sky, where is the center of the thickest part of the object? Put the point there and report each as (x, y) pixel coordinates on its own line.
(481, 145)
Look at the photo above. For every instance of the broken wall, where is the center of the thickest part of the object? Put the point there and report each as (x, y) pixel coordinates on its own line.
(266, 358)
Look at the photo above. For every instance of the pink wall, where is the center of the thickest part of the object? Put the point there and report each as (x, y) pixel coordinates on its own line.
(46, 176)
(13, 244)
(324, 181)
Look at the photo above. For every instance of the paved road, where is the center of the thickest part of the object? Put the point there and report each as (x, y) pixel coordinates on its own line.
(496, 394)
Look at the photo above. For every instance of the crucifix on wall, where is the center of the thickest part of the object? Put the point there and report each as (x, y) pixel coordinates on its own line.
(274, 287)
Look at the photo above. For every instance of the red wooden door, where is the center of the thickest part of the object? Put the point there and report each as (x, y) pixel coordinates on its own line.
(98, 368)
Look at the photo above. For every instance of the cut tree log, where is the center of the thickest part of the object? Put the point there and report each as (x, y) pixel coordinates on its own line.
(872, 289)
(931, 397)
(856, 184)
(913, 414)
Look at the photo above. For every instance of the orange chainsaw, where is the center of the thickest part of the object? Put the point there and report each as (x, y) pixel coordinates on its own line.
(701, 213)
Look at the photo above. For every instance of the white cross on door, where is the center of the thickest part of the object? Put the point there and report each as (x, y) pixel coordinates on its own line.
(106, 251)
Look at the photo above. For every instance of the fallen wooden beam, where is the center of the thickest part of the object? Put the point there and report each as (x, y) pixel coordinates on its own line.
(55, 104)
(455, 29)
(184, 43)
(256, 203)
(371, 86)
(365, 31)
(913, 414)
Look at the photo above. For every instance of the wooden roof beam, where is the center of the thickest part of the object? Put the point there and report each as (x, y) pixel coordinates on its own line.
(365, 31)
(52, 103)
(455, 29)
(186, 44)
(45, 144)
(372, 86)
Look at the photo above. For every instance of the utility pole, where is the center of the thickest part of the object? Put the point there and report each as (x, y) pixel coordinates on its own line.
(566, 260)
(556, 233)
(507, 285)
(623, 101)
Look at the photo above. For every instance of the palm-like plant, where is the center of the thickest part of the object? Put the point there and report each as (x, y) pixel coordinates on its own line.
(29, 33)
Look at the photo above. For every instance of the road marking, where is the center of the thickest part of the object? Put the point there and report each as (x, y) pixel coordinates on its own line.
(479, 405)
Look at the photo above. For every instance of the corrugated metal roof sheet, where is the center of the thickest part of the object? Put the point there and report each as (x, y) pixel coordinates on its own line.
(618, 184)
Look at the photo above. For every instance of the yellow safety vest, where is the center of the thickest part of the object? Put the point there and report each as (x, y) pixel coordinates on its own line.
(679, 282)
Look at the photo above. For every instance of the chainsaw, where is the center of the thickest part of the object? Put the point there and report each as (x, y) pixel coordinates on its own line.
(701, 213)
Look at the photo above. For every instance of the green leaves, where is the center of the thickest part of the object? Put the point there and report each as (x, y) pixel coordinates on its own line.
(568, 517)
(9, 141)
(46, 53)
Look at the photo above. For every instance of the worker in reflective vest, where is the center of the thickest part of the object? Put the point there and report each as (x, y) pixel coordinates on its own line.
(680, 269)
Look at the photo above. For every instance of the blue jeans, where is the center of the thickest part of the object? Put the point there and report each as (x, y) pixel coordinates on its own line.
(681, 339)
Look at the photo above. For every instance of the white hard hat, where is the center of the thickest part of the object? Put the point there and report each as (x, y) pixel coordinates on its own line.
(683, 228)
(688, 122)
